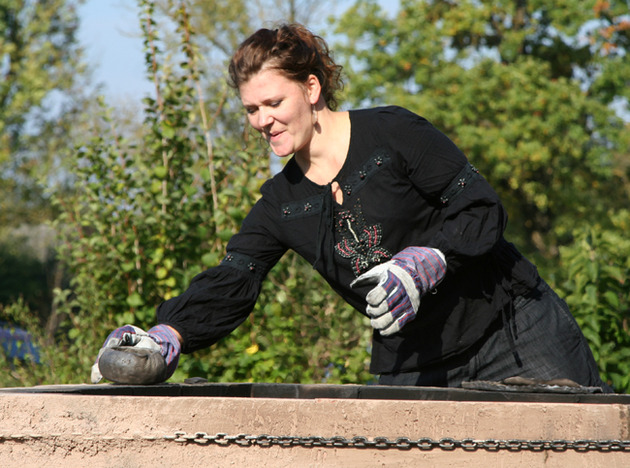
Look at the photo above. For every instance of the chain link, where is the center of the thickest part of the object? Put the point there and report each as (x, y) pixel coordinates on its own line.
(361, 442)
(402, 443)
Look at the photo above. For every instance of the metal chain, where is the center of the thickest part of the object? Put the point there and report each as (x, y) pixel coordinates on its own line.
(360, 442)
(401, 443)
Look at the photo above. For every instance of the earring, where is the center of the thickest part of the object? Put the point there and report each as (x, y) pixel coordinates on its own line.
(315, 117)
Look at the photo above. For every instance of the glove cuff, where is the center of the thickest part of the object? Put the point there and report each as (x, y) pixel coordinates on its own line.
(170, 346)
(426, 266)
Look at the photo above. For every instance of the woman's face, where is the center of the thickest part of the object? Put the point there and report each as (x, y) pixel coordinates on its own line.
(281, 109)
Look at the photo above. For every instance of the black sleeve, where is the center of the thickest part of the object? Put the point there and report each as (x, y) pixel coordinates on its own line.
(219, 299)
(216, 302)
(472, 216)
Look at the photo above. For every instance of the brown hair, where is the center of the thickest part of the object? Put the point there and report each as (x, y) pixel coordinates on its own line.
(294, 51)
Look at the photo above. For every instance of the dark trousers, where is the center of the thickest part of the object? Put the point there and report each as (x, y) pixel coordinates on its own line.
(536, 338)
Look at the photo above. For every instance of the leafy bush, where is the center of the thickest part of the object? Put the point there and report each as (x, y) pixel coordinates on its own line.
(596, 288)
(150, 212)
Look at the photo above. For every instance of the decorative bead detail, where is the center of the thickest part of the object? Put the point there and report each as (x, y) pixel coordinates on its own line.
(305, 207)
(466, 177)
(245, 263)
(350, 186)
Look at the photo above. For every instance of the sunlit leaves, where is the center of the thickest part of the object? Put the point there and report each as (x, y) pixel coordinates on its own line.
(487, 74)
(153, 209)
(595, 282)
(524, 88)
(40, 70)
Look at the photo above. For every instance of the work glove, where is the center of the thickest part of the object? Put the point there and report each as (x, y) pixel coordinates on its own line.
(132, 356)
(399, 285)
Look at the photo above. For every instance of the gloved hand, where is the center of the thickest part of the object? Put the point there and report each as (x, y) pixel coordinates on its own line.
(400, 283)
(132, 356)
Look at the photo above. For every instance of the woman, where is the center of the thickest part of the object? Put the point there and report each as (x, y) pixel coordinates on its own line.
(394, 217)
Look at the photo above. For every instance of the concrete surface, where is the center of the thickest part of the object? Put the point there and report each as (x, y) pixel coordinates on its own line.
(71, 430)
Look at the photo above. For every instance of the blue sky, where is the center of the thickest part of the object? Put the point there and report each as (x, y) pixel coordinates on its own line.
(110, 33)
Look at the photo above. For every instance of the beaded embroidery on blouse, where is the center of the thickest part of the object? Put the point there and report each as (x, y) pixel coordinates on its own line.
(361, 243)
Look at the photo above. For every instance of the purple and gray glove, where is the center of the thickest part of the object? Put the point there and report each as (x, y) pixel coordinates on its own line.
(399, 285)
(132, 356)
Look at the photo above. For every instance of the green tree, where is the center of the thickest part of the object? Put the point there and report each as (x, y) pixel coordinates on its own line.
(150, 213)
(529, 90)
(40, 70)
(41, 97)
(522, 87)
(597, 266)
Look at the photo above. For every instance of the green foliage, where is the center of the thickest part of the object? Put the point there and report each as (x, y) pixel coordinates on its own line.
(149, 214)
(19, 372)
(24, 276)
(54, 365)
(40, 70)
(516, 86)
(524, 88)
(595, 273)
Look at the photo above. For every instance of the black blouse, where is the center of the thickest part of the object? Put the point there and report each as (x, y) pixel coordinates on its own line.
(404, 184)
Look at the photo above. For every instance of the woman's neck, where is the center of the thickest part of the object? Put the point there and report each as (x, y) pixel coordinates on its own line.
(324, 157)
